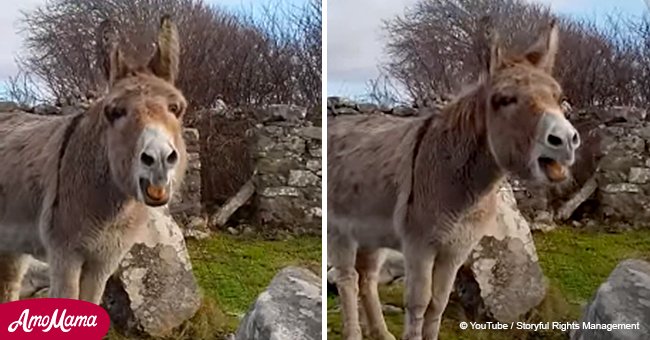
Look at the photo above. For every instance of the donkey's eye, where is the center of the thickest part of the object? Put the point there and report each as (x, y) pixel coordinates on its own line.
(174, 108)
(502, 100)
(114, 113)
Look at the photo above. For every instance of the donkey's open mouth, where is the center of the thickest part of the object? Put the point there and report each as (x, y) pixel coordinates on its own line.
(554, 170)
(154, 195)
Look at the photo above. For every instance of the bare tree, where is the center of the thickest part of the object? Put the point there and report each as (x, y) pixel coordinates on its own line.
(234, 57)
(433, 49)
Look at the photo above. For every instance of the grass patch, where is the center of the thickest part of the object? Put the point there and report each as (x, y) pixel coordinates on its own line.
(235, 270)
(575, 262)
(232, 271)
(579, 261)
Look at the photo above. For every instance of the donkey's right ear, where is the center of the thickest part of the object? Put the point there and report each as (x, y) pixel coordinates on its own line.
(495, 59)
(490, 45)
(109, 55)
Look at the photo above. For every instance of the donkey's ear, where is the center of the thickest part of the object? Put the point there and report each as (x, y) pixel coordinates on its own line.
(164, 62)
(542, 53)
(109, 55)
(492, 45)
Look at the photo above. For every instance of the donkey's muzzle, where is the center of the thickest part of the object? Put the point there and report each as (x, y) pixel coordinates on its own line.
(154, 195)
(557, 141)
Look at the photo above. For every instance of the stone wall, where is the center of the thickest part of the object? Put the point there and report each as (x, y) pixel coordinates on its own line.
(615, 153)
(288, 175)
(187, 201)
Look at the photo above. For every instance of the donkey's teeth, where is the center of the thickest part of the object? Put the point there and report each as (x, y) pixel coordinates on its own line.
(555, 171)
(157, 193)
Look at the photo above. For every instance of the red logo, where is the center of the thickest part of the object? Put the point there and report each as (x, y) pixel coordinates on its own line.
(47, 319)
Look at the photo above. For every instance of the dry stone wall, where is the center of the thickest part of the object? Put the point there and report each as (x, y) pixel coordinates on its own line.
(288, 175)
(187, 202)
(615, 154)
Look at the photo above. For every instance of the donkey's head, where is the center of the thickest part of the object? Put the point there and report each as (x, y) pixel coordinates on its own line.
(143, 112)
(528, 133)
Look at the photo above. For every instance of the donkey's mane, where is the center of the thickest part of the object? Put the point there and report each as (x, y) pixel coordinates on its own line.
(466, 113)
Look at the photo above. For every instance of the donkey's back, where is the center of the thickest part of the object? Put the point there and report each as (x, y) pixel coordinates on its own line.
(366, 159)
(29, 148)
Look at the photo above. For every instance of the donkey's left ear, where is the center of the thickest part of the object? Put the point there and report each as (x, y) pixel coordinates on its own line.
(542, 53)
(164, 62)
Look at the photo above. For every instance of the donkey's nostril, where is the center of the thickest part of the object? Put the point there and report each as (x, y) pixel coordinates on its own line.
(172, 158)
(554, 140)
(146, 159)
(575, 140)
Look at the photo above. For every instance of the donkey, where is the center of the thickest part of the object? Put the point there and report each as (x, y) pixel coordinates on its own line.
(75, 191)
(427, 186)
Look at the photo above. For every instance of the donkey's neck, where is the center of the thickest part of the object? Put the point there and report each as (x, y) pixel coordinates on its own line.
(85, 168)
(452, 163)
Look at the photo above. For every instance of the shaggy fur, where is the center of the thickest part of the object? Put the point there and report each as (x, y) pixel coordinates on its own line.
(68, 189)
(427, 186)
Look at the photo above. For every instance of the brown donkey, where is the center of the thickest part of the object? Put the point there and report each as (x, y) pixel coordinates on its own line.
(75, 190)
(427, 186)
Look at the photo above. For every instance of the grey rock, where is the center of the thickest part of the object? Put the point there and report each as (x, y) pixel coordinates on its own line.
(280, 191)
(303, 178)
(367, 107)
(314, 164)
(404, 111)
(290, 308)
(503, 278)
(346, 111)
(195, 234)
(639, 175)
(623, 299)
(36, 278)
(621, 187)
(312, 132)
(47, 110)
(6, 106)
(153, 291)
(286, 112)
(71, 110)
(625, 113)
(390, 309)
(393, 267)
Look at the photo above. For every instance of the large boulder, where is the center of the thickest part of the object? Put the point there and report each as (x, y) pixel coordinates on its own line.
(290, 308)
(502, 278)
(623, 299)
(154, 290)
(36, 279)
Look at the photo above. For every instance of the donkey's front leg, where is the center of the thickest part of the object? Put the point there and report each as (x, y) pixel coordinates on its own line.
(65, 271)
(444, 274)
(342, 254)
(419, 264)
(93, 280)
(368, 266)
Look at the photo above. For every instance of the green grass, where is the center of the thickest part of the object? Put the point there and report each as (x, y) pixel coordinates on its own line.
(575, 262)
(578, 262)
(232, 271)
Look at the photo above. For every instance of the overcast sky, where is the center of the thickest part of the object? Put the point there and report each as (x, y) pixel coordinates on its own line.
(355, 40)
(11, 41)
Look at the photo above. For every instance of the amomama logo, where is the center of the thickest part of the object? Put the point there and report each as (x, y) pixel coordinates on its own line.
(47, 319)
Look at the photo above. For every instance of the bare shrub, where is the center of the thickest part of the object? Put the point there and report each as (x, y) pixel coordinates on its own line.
(235, 57)
(433, 49)
(226, 161)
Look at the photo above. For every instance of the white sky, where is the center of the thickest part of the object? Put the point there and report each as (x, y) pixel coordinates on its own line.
(355, 40)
